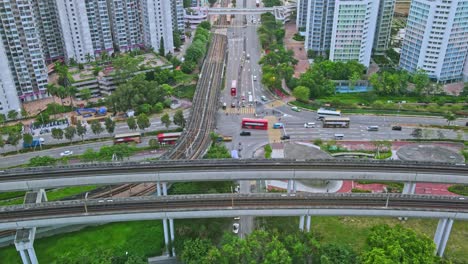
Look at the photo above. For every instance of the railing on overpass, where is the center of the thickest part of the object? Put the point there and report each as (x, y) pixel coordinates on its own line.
(209, 170)
(222, 205)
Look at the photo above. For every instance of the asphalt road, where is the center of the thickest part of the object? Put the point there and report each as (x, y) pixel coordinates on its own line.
(24, 158)
(121, 127)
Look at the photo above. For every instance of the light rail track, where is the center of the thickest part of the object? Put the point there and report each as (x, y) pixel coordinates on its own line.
(215, 202)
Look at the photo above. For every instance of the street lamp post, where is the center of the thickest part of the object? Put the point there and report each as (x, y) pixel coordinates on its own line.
(85, 205)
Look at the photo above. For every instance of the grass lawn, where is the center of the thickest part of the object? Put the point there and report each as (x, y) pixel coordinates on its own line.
(143, 238)
(52, 195)
(352, 231)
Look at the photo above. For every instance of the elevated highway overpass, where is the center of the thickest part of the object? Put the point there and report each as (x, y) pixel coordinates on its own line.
(225, 170)
(229, 205)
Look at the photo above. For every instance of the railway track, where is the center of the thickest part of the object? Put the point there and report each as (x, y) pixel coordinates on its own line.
(195, 139)
(223, 202)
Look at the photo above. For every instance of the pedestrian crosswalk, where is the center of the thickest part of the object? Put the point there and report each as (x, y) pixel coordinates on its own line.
(241, 111)
(274, 135)
(274, 104)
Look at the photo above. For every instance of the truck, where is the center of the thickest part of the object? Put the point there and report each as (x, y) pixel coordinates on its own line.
(35, 143)
(257, 3)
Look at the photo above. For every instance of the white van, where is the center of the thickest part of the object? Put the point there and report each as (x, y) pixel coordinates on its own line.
(339, 136)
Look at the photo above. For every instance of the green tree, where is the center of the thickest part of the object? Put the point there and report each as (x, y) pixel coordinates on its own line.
(85, 94)
(450, 117)
(12, 114)
(27, 138)
(96, 128)
(158, 108)
(89, 156)
(2, 119)
(143, 121)
(154, 143)
(24, 113)
(70, 133)
(397, 245)
(162, 51)
(166, 120)
(301, 93)
(110, 125)
(421, 81)
(176, 36)
(195, 250)
(335, 253)
(2, 142)
(42, 161)
(353, 79)
(131, 122)
(14, 138)
(57, 133)
(179, 118)
(125, 66)
(205, 24)
(81, 130)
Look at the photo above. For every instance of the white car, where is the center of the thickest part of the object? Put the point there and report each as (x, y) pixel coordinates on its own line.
(235, 228)
(254, 78)
(309, 125)
(66, 153)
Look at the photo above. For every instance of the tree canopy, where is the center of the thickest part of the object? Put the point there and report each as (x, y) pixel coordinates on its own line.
(397, 245)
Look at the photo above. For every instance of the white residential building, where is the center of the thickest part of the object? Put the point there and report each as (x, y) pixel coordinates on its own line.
(75, 29)
(127, 30)
(157, 24)
(33, 32)
(436, 39)
(46, 14)
(347, 29)
(465, 71)
(319, 25)
(8, 94)
(177, 8)
(354, 25)
(99, 26)
(384, 26)
(21, 53)
(301, 15)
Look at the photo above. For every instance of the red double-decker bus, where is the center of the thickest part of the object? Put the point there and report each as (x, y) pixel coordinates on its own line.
(251, 123)
(169, 138)
(127, 138)
(234, 88)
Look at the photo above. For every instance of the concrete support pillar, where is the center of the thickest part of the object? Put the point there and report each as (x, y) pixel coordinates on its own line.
(171, 229)
(442, 235)
(24, 256)
(289, 186)
(41, 196)
(308, 223)
(294, 186)
(24, 243)
(158, 188)
(166, 235)
(32, 255)
(164, 188)
(301, 222)
(409, 188)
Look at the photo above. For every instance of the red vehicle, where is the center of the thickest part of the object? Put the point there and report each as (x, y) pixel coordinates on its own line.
(169, 138)
(234, 88)
(251, 123)
(127, 138)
